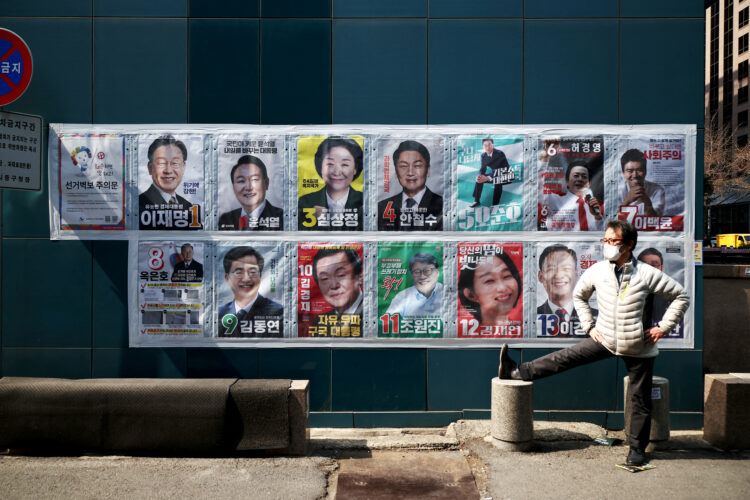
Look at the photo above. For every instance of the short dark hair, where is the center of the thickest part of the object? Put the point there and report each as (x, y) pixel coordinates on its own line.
(651, 251)
(339, 142)
(557, 247)
(466, 280)
(488, 139)
(250, 160)
(237, 253)
(412, 146)
(185, 245)
(635, 155)
(625, 228)
(351, 255)
(166, 140)
(577, 163)
(424, 257)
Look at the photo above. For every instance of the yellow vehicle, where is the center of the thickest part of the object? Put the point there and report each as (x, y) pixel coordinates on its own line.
(732, 240)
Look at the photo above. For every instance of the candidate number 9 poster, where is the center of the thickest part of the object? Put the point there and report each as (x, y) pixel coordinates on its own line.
(490, 290)
(410, 289)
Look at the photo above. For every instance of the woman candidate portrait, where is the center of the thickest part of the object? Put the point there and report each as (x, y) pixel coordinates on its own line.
(337, 206)
(490, 289)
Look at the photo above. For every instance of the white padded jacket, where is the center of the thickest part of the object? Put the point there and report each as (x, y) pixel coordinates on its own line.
(620, 319)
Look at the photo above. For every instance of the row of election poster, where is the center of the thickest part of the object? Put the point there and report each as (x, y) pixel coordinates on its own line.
(193, 292)
(108, 182)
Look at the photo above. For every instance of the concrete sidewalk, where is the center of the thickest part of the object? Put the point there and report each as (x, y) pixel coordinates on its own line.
(454, 462)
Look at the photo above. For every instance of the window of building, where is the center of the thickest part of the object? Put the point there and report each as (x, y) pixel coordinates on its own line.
(742, 95)
(742, 70)
(742, 44)
(742, 141)
(742, 119)
(744, 17)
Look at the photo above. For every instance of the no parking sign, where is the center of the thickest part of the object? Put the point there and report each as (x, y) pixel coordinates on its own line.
(15, 66)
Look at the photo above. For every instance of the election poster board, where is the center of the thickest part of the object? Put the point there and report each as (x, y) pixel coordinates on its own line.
(330, 300)
(490, 182)
(651, 182)
(251, 182)
(171, 291)
(91, 170)
(249, 281)
(410, 173)
(570, 174)
(490, 290)
(330, 183)
(558, 267)
(410, 288)
(171, 182)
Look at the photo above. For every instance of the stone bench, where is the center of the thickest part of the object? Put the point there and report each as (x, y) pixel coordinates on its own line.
(726, 410)
(207, 416)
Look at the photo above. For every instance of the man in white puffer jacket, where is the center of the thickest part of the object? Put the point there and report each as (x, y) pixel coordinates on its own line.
(622, 284)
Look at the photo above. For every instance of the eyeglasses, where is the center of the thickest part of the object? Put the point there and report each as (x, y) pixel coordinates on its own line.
(173, 163)
(611, 241)
(251, 273)
(423, 272)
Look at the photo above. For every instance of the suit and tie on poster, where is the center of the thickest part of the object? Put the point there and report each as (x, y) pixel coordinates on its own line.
(651, 182)
(558, 267)
(668, 258)
(330, 298)
(410, 290)
(171, 183)
(490, 290)
(169, 303)
(249, 289)
(410, 183)
(330, 183)
(251, 180)
(490, 183)
(570, 183)
(91, 184)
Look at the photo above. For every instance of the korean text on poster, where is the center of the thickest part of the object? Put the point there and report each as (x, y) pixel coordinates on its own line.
(329, 290)
(251, 180)
(651, 184)
(558, 268)
(410, 289)
(171, 291)
(670, 259)
(490, 183)
(171, 183)
(410, 184)
(490, 290)
(249, 289)
(570, 183)
(330, 183)
(91, 171)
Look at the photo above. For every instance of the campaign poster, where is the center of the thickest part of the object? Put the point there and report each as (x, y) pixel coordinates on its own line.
(250, 289)
(670, 259)
(558, 268)
(651, 182)
(490, 290)
(330, 183)
(490, 183)
(171, 184)
(410, 289)
(410, 183)
(91, 173)
(329, 290)
(171, 290)
(571, 183)
(251, 180)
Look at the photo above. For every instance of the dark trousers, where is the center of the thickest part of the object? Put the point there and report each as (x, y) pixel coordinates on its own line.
(496, 193)
(640, 372)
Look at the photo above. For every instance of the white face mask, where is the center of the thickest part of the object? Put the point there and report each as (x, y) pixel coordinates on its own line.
(611, 252)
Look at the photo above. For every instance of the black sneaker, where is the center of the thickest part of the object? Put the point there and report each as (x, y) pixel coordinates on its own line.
(636, 456)
(507, 365)
(474, 205)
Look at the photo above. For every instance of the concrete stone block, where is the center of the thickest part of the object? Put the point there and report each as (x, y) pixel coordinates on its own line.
(659, 408)
(512, 414)
(726, 410)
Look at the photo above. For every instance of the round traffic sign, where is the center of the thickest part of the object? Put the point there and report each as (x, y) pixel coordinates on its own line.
(15, 66)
